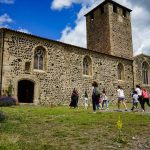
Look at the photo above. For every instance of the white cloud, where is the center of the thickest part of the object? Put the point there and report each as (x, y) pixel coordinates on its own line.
(7, 1)
(125, 3)
(77, 35)
(23, 30)
(141, 41)
(4, 19)
(60, 4)
(141, 30)
(140, 17)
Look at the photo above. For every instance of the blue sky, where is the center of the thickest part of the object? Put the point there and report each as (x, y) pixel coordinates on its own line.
(38, 18)
(64, 20)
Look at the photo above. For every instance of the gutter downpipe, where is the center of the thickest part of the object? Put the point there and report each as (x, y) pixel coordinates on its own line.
(133, 73)
(1, 57)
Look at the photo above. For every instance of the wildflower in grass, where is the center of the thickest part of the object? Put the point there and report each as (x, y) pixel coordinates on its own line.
(120, 138)
(119, 123)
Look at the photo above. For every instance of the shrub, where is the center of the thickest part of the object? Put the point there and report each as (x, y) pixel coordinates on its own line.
(7, 101)
(2, 116)
(9, 90)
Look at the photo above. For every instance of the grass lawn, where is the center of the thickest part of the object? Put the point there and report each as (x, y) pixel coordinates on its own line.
(61, 128)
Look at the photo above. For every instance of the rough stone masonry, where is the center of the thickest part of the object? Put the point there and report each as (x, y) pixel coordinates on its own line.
(64, 66)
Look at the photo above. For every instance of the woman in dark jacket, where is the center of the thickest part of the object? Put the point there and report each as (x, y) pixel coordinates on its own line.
(74, 99)
(95, 96)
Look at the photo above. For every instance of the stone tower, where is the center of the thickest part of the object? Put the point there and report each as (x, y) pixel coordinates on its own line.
(109, 29)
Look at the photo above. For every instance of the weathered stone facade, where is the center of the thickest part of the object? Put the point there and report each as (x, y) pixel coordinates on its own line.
(63, 67)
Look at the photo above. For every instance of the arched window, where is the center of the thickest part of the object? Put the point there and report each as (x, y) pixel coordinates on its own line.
(39, 58)
(145, 72)
(120, 72)
(87, 66)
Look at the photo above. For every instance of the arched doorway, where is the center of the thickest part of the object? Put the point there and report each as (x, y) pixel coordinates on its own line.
(25, 91)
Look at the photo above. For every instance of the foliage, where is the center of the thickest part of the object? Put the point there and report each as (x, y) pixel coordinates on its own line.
(10, 89)
(7, 101)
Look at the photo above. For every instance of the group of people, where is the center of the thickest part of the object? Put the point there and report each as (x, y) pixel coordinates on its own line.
(140, 95)
(99, 100)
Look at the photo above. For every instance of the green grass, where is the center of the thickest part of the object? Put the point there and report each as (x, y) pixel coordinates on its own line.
(61, 128)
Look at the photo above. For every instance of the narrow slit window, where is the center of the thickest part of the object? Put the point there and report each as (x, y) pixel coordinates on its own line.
(102, 10)
(124, 13)
(114, 9)
(27, 67)
(92, 16)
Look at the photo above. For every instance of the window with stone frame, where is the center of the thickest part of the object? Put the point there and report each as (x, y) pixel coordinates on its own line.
(27, 67)
(120, 72)
(39, 58)
(145, 73)
(87, 66)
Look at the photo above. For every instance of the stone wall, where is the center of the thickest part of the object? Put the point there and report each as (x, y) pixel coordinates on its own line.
(64, 69)
(138, 60)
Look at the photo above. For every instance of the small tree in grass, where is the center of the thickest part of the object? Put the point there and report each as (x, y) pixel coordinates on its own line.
(7, 99)
(9, 90)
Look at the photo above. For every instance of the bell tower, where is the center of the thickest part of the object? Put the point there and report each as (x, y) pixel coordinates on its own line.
(109, 29)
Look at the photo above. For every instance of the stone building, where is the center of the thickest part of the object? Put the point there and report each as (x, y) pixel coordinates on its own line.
(43, 71)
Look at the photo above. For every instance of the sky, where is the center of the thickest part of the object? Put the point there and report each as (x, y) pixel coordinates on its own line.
(63, 20)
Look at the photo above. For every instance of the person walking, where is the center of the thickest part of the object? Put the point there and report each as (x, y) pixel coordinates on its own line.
(139, 92)
(86, 100)
(74, 99)
(95, 96)
(104, 100)
(121, 98)
(134, 100)
(145, 97)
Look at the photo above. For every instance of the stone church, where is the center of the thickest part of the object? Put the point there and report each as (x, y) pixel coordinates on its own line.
(44, 72)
